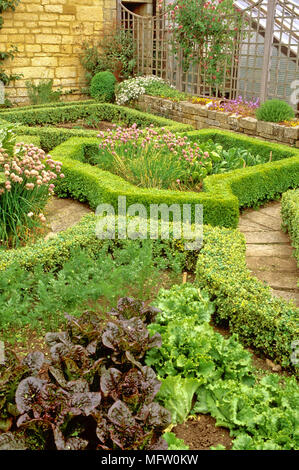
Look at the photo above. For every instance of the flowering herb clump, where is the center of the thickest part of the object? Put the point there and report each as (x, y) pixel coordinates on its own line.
(26, 181)
(153, 159)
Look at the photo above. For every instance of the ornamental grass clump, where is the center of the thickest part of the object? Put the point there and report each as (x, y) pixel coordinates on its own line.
(275, 111)
(27, 181)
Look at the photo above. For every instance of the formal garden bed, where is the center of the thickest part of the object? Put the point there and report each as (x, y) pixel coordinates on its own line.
(117, 332)
(124, 373)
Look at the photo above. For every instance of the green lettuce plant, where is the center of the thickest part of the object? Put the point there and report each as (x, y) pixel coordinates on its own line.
(203, 372)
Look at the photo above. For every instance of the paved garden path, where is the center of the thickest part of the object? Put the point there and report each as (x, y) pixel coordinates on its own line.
(63, 213)
(269, 253)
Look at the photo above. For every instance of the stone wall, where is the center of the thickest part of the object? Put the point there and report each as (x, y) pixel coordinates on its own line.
(49, 35)
(201, 117)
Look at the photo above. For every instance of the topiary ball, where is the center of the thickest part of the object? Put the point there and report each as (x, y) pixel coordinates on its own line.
(102, 86)
(275, 111)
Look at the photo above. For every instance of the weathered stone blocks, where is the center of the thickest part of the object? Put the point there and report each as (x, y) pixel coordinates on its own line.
(201, 117)
(49, 35)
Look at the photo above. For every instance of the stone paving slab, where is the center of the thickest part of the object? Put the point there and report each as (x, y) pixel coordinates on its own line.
(64, 213)
(272, 209)
(270, 263)
(263, 219)
(248, 226)
(277, 280)
(271, 236)
(294, 296)
(276, 250)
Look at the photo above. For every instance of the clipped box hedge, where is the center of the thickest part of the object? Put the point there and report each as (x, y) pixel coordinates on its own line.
(290, 218)
(28, 139)
(93, 185)
(47, 115)
(222, 196)
(47, 105)
(263, 322)
(103, 111)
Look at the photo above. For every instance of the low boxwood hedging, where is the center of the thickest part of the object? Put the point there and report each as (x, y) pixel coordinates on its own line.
(263, 322)
(89, 183)
(103, 111)
(47, 105)
(50, 137)
(290, 217)
(28, 139)
(222, 194)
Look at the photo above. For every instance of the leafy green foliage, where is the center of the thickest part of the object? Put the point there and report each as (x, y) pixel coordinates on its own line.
(27, 297)
(174, 443)
(8, 137)
(42, 92)
(177, 394)
(163, 89)
(247, 305)
(189, 348)
(114, 53)
(261, 417)
(275, 111)
(206, 32)
(199, 365)
(95, 395)
(102, 86)
(290, 217)
(230, 159)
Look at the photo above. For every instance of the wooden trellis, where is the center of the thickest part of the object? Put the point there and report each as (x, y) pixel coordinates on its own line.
(264, 61)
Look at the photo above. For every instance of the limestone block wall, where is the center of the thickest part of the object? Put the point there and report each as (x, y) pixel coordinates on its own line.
(201, 117)
(49, 35)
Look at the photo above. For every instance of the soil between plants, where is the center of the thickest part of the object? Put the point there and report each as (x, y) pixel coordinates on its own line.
(202, 433)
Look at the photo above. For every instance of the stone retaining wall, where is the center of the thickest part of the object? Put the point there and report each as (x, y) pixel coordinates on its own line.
(49, 35)
(201, 117)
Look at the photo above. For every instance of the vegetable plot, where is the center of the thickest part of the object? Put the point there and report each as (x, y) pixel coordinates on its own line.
(197, 364)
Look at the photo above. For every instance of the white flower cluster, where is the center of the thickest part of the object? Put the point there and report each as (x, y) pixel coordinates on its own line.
(132, 88)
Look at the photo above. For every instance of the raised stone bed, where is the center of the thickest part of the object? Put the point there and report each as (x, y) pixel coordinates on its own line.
(201, 117)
